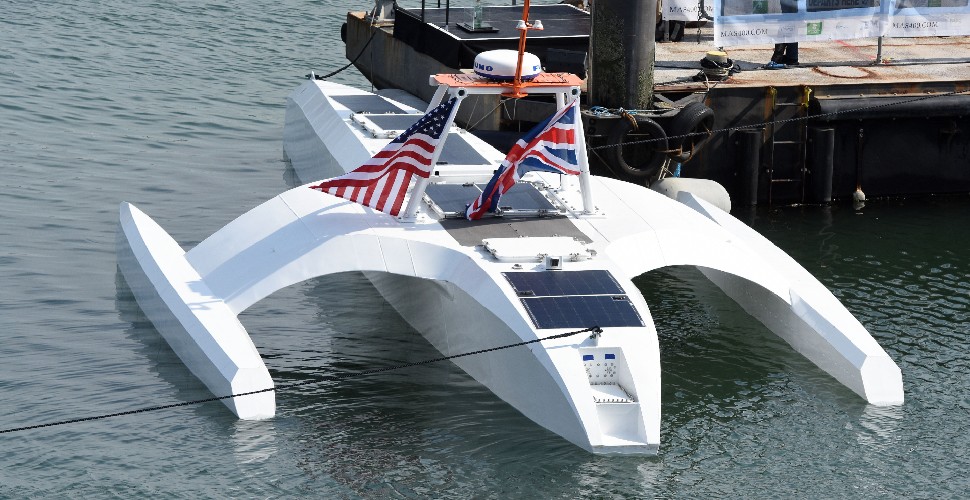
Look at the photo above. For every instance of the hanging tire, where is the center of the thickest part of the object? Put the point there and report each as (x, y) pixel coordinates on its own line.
(640, 159)
(693, 118)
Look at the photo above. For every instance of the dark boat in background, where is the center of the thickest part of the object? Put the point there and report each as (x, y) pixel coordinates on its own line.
(836, 127)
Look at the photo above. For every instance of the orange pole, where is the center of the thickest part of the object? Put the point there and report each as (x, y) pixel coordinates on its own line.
(517, 80)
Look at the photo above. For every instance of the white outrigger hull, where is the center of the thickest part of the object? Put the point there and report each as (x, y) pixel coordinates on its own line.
(599, 392)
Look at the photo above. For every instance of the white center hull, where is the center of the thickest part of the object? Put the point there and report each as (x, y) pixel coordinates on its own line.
(525, 379)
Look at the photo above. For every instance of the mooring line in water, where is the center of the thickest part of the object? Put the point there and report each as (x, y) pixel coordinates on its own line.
(595, 330)
(778, 122)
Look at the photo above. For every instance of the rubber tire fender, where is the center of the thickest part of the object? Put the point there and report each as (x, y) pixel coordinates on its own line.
(692, 118)
(646, 126)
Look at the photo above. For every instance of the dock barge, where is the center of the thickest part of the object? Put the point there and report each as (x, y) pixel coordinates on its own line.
(840, 124)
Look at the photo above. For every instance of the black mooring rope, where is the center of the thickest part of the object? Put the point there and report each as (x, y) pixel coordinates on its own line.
(332, 73)
(594, 329)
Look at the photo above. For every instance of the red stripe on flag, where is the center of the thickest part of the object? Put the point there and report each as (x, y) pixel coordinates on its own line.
(383, 180)
(389, 181)
(398, 199)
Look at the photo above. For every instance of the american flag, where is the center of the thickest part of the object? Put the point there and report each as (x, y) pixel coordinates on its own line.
(549, 146)
(382, 181)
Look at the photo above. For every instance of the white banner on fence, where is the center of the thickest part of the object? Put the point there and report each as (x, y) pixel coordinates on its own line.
(747, 22)
(929, 18)
(744, 22)
(685, 10)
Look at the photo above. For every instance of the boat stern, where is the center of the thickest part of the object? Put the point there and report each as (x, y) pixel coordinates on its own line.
(614, 387)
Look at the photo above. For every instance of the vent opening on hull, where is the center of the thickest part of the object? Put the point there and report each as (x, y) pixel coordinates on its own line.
(605, 371)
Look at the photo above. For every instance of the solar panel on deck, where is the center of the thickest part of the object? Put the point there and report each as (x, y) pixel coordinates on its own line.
(595, 282)
(582, 311)
(471, 233)
(457, 151)
(524, 196)
(452, 198)
(394, 121)
(366, 103)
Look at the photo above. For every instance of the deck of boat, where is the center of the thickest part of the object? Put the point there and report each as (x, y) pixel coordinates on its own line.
(904, 62)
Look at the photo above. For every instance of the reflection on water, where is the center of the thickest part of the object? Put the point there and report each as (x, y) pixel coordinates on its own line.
(879, 426)
(353, 429)
(253, 441)
(159, 358)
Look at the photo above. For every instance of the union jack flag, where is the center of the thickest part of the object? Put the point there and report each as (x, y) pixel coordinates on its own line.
(550, 146)
(382, 181)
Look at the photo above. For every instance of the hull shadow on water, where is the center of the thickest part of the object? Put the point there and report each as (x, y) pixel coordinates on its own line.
(252, 441)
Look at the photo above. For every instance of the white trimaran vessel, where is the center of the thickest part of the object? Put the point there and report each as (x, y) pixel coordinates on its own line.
(556, 255)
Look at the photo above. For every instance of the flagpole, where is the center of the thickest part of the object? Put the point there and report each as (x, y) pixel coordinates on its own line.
(583, 158)
(421, 185)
